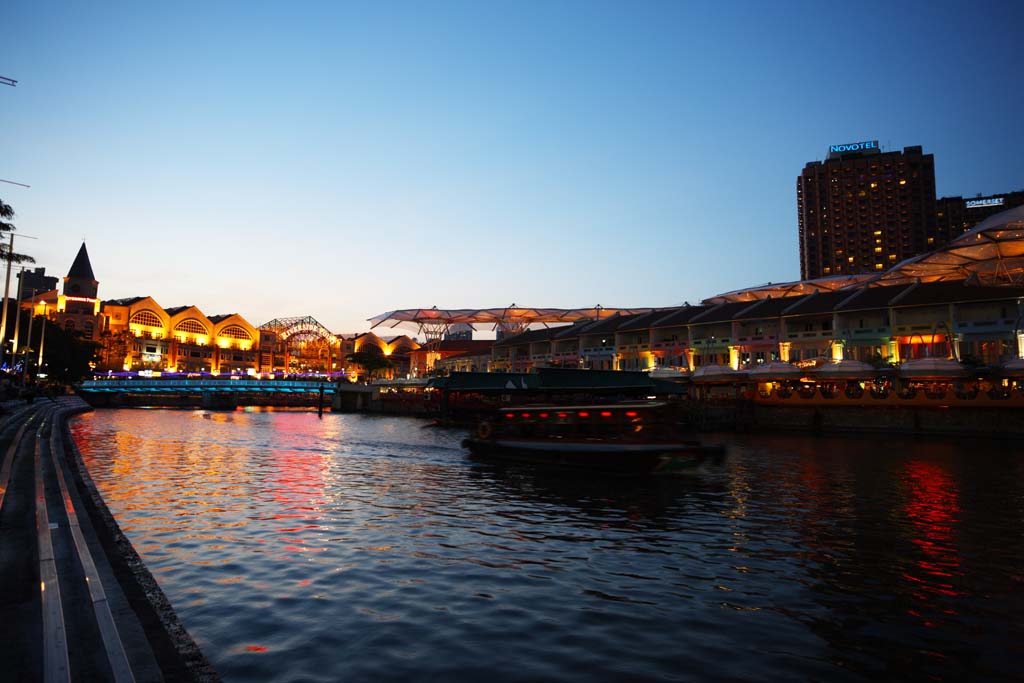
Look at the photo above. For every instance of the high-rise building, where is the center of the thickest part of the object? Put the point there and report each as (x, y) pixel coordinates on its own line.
(862, 210)
(955, 215)
(35, 282)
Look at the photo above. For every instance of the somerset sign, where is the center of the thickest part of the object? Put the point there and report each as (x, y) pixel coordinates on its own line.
(979, 203)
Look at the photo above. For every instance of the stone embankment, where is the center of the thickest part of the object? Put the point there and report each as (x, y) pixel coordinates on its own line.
(76, 601)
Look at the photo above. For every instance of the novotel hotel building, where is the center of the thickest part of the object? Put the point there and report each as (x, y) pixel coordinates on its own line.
(864, 210)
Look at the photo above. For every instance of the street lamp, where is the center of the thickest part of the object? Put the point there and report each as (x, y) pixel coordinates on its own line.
(42, 340)
(28, 342)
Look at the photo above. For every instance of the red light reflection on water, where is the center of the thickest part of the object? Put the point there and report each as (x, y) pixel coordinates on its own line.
(933, 509)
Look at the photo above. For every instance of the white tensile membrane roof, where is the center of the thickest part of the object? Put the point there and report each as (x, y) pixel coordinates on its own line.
(513, 318)
(992, 254)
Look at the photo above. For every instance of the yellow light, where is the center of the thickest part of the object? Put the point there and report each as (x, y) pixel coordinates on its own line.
(903, 182)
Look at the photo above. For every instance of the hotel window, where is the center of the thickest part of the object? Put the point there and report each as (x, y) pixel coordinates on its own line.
(878, 266)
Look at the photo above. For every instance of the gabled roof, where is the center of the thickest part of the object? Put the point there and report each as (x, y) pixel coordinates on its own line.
(176, 310)
(530, 336)
(819, 302)
(642, 321)
(461, 346)
(768, 308)
(680, 316)
(128, 301)
(872, 297)
(217, 319)
(953, 292)
(722, 312)
(81, 268)
(607, 325)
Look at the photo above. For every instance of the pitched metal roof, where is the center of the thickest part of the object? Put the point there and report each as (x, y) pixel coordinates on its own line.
(81, 268)
(680, 316)
(957, 291)
(128, 301)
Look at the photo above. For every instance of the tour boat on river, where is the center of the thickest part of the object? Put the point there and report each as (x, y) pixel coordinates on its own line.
(641, 438)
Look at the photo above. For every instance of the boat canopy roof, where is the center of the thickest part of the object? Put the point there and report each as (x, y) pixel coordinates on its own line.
(634, 405)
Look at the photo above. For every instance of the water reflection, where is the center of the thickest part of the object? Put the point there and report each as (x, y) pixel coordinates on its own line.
(353, 548)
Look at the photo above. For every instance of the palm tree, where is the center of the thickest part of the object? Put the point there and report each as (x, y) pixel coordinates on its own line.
(7, 214)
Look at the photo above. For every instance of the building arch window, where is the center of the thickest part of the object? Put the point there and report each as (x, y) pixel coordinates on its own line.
(235, 332)
(147, 318)
(191, 326)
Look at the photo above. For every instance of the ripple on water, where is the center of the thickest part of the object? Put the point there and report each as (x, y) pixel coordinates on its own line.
(358, 549)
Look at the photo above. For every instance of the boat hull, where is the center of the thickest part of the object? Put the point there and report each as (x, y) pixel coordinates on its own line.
(598, 456)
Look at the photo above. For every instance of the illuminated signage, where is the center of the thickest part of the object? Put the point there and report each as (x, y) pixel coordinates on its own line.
(80, 298)
(863, 146)
(978, 203)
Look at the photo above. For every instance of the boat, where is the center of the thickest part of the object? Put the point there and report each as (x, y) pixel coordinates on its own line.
(638, 437)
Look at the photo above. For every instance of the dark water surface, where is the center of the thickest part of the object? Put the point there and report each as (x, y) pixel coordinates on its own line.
(357, 548)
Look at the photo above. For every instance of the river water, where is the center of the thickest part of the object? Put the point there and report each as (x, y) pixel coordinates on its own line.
(358, 548)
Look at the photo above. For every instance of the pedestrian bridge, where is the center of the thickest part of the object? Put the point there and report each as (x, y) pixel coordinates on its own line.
(205, 386)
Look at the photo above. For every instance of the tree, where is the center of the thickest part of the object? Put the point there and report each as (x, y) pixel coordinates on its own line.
(369, 362)
(67, 357)
(6, 215)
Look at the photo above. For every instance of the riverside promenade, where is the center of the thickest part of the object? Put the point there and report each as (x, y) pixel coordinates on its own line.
(76, 602)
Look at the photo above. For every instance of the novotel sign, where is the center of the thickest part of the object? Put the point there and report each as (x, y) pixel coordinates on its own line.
(988, 201)
(864, 146)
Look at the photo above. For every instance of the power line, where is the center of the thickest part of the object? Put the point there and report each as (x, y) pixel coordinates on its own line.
(8, 81)
(13, 183)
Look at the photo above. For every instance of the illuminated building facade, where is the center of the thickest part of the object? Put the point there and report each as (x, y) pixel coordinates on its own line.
(140, 334)
(880, 325)
(863, 210)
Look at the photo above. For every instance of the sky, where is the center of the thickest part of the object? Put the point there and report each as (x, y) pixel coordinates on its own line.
(341, 160)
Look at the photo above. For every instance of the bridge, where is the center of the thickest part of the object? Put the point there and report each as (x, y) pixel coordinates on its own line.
(200, 386)
(206, 393)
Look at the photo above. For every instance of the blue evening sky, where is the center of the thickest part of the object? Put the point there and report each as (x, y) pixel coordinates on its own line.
(340, 160)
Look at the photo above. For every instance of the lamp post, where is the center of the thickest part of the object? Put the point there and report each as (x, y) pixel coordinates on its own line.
(42, 340)
(17, 316)
(28, 340)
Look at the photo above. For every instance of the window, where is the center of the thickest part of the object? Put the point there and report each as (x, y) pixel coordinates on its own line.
(235, 332)
(147, 318)
(191, 326)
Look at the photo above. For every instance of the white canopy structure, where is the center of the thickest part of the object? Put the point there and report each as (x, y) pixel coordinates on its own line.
(434, 322)
(992, 253)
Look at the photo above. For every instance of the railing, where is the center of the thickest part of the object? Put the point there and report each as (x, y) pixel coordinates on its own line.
(200, 385)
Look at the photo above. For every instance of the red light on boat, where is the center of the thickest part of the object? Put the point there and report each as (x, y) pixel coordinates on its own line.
(563, 415)
(510, 415)
(525, 415)
(584, 413)
(543, 415)
(606, 413)
(630, 413)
